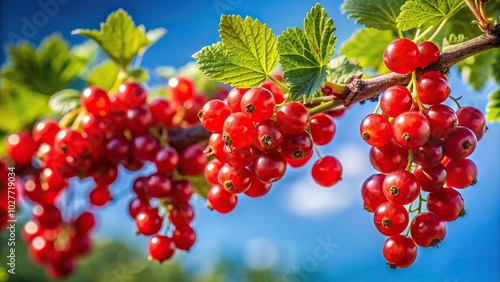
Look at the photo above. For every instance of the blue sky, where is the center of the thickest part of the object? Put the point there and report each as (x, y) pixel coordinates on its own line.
(290, 227)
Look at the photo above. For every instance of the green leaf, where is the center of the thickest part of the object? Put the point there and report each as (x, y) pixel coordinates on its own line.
(493, 107)
(496, 68)
(85, 52)
(103, 75)
(119, 38)
(65, 101)
(476, 70)
(366, 47)
(426, 13)
(216, 63)
(375, 14)
(341, 70)
(138, 75)
(305, 54)
(245, 56)
(452, 39)
(20, 108)
(46, 70)
(155, 34)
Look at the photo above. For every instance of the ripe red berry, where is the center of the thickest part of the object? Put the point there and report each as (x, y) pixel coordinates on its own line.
(427, 229)
(48, 215)
(133, 95)
(100, 196)
(411, 130)
(391, 219)
(429, 53)
(184, 238)
(182, 89)
(297, 146)
(395, 100)
(400, 251)
(192, 160)
(215, 147)
(327, 171)
(213, 114)
(221, 200)
(430, 178)
(473, 119)
(401, 56)
(376, 130)
(159, 185)
(163, 112)
(161, 248)
(85, 222)
(275, 89)
(461, 173)
(322, 129)
(235, 180)
(372, 193)
(268, 135)
(432, 88)
(167, 159)
(442, 119)
(258, 104)
(389, 157)
(430, 154)
(182, 190)
(181, 215)
(45, 131)
(96, 101)
(234, 99)
(139, 120)
(257, 188)
(293, 117)
(212, 171)
(401, 187)
(145, 147)
(239, 157)
(295, 163)
(447, 203)
(459, 143)
(238, 131)
(270, 166)
(148, 221)
(21, 147)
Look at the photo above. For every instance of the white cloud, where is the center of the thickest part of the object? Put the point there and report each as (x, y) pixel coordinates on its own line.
(355, 161)
(307, 198)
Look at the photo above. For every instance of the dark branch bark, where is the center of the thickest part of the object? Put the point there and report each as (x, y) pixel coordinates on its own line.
(183, 137)
(359, 90)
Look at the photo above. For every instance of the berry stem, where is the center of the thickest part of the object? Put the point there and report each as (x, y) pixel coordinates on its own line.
(281, 85)
(440, 27)
(316, 149)
(335, 87)
(400, 34)
(456, 100)
(410, 161)
(324, 107)
(415, 93)
(78, 120)
(69, 118)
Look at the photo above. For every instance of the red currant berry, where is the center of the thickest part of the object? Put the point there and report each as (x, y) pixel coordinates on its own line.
(184, 238)
(132, 95)
(471, 118)
(96, 101)
(391, 219)
(293, 117)
(429, 53)
(212, 171)
(411, 130)
(399, 251)
(181, 215)
(85, 222)
(327, 171)
(376, 130)
(297, 146)
(427, 229)
(372, 193)
(257, 188)
(396, 100)
(182, 88)
(235, 180)
(145, 147)
(139, 120)
(148, 221)
(447, 203)
(234, 99)
(322, 129)
(461, 173)
(167, 159)
(268, 135)
(276, 90)
(401, 187)
(21, 147)
(238, 131)
(430, 154)
(100, 196)
(159, 185)
(215, 147)
(430, 178)
(432, 88)
(161, 248)
(45, 131)
(213, 114)
(258, 104)
(182, 191)
(163, 112)
(389, 157)
(192, 160)
(270, 166)
(460, 143)
(221, 200)
(401, 56)
(296, 163)
(48, 215)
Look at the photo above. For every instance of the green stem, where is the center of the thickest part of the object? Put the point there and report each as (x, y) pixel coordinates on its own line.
(324, 107)
(455, 100)
(423, 34)
(281, 85)
(377, 107)
(440, 27)
(335, 87)
(317, 151)
(322, 99)
(483, 23)
(410, 160)
(69, 118)
(400, 33)
(415, 93)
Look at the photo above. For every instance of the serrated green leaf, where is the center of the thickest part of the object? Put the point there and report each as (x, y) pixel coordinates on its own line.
(65, 101)
(476, 70)
(46, 70)
(375, 14)
(85, 52)
(341, 70)
(426, 13)
(452, 39)
(305, 54)
(320, 33)
(496, 68)
(493, 107)
(155, 34)
(103, 75)
(366, 47)
(138, 75)
(20, 108)
(118, 37)
(216, 63)
(245, 56)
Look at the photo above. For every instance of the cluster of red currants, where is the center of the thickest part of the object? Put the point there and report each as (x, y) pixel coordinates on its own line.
(420, 147)
(256, 134)
(109, 130)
